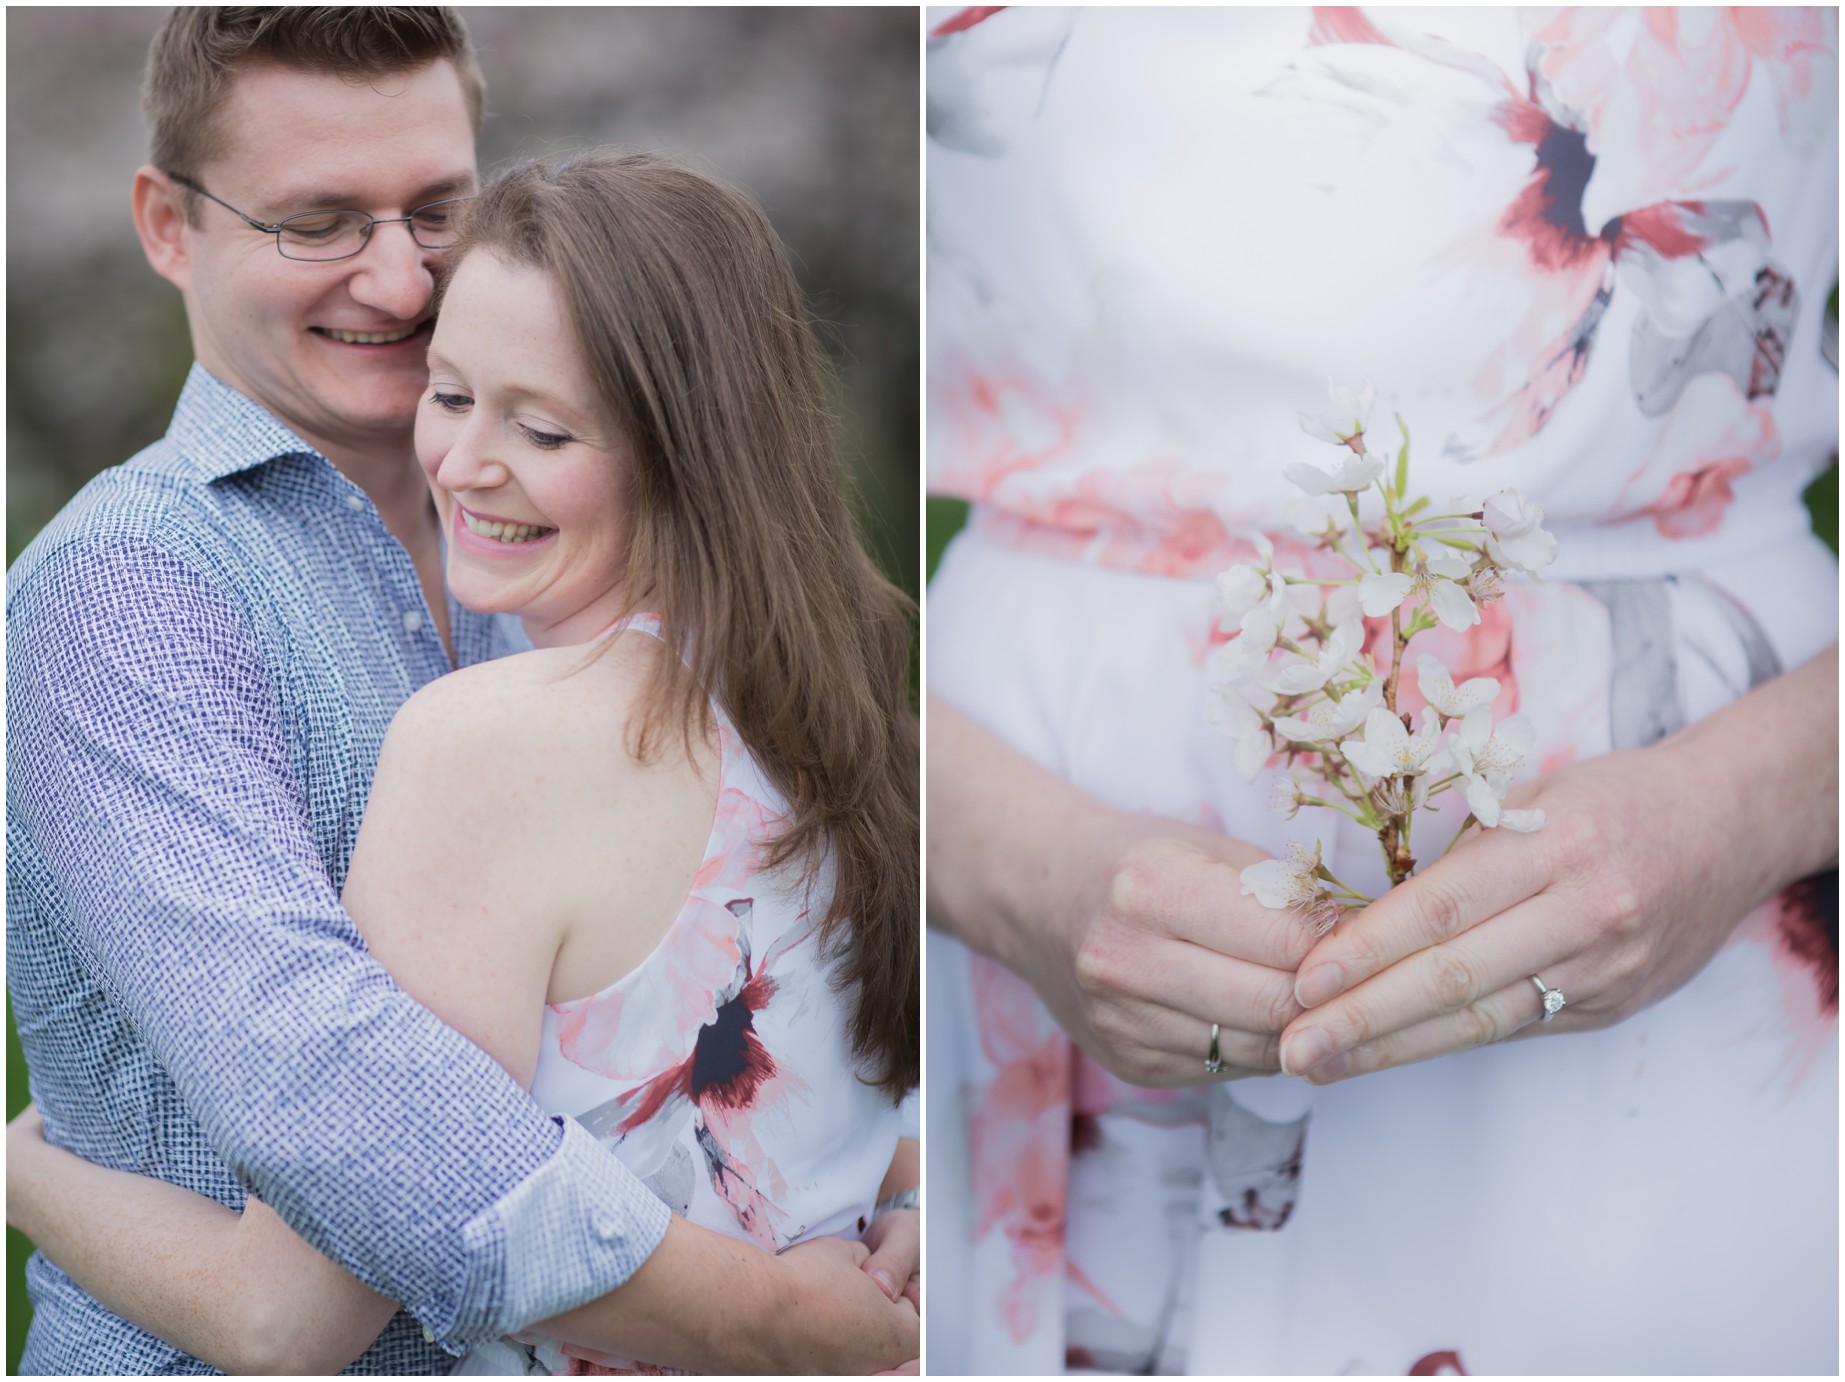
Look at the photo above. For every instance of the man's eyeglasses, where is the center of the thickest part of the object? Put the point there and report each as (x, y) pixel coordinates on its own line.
(318, 236)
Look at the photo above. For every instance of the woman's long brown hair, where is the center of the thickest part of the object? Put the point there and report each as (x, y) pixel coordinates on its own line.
(740, 535)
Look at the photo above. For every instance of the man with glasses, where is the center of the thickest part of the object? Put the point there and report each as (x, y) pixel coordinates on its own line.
(204, 651)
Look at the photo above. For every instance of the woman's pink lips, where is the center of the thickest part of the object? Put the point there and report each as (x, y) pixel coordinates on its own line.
(470, 541)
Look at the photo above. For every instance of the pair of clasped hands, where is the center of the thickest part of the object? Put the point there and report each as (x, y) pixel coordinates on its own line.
(1135, 932)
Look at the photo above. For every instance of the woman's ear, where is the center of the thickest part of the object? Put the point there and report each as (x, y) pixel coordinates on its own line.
(160, 221)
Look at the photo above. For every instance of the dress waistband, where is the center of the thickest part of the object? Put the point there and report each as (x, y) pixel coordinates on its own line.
(1196, 544)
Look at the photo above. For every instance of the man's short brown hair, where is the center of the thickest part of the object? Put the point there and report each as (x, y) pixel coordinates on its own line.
(199, 48)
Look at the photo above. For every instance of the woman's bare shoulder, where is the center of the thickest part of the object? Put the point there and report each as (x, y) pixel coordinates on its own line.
(559, 703)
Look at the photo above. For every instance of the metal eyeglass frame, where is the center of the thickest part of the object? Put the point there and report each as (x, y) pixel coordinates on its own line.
(365, 236)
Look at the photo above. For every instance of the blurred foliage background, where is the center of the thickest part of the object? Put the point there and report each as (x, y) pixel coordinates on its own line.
(813, 111)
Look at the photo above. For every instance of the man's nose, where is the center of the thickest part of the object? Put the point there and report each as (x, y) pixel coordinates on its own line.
(393, 273)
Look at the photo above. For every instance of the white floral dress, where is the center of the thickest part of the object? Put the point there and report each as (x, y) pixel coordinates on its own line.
(720, 1069)
(1583, 253)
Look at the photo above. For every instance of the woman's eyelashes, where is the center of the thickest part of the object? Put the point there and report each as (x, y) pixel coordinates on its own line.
(538, 437)
(544, 441)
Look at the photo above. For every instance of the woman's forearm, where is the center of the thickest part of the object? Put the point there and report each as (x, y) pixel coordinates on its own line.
(905, 1171)
(997, 822)
(1774, 755)
(239, 1291)
(712, 1303)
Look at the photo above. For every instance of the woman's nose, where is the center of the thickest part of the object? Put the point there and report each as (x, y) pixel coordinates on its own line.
(469, 464)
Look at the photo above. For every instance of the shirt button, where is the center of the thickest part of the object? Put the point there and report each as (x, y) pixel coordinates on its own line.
(429, 1335)
(413, 620)
(355, 502)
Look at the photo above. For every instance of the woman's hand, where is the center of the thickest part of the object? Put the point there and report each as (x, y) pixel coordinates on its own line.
(895, 1240)
(1146, 939)
(1133, 929)
(1646, 862)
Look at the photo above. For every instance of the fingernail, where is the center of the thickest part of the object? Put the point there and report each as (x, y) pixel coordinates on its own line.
(1318, 984)
(1305, 1051)
(1331, 1068)
(886, 1282)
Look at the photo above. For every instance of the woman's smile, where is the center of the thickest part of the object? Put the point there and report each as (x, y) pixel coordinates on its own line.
(497, 537)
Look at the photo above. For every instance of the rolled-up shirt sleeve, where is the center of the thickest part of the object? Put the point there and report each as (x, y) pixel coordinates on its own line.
(150, 763)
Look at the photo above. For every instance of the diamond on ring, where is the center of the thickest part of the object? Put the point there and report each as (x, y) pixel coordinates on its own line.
(1554, 1001)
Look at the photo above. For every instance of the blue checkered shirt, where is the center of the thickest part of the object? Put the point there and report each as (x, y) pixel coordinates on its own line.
(203, 652)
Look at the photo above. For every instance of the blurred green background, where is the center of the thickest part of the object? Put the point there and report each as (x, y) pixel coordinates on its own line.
(814, 111)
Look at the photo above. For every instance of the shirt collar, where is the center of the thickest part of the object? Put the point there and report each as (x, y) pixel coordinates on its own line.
(224, 433)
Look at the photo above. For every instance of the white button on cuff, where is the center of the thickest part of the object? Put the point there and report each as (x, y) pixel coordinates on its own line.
(429, 1335)
(355, 502)
(413, 620)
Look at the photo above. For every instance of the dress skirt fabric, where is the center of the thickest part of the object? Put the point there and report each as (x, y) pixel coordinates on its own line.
(1656, 1197)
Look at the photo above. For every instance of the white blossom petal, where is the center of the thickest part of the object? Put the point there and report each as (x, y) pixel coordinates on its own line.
(1513, 738)
(1448, 563)
(1299, 675)
(1532, 552)
(1452, 606)
(1482, 800)
(1384, 740)
(1326, 721)
(1438, 689)
(1477, 728)
(1314, 518)
(1523, 821)
(1378, 595)
(1517, 536)
(1348, 416)
(1343, 606)
(1232, 713)
(1239, 590)
(1252, 754)
(1350, 476)
(1271, 882)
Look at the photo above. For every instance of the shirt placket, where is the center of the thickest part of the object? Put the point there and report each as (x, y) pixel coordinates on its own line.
(422, 644)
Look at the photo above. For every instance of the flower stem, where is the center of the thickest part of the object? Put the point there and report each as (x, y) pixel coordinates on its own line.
(1333, 806)
(1397, 857)
(1471, 820)
(1346, 888)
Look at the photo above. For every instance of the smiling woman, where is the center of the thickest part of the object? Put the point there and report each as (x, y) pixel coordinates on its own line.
(529, 469)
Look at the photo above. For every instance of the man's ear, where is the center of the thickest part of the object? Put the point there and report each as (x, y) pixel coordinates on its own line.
(160, 221)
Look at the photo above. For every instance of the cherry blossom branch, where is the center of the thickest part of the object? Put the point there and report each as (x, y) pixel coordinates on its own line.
(1324, 699)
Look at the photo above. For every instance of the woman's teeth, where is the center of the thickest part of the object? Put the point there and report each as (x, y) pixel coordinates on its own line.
(503, 532)
(370, 337)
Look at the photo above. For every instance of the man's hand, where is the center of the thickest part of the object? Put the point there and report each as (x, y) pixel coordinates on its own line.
(1133, 929)
(1647, 860)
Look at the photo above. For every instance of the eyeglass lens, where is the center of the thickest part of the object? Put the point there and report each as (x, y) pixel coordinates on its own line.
(339, 234)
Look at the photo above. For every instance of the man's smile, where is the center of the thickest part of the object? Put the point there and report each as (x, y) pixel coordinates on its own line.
(419, 332)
